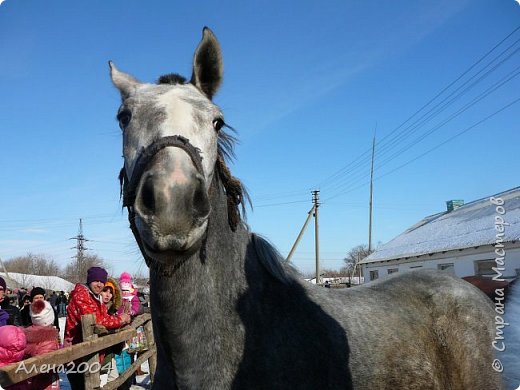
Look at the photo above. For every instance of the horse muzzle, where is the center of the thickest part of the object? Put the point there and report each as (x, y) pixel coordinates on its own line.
(169, 200)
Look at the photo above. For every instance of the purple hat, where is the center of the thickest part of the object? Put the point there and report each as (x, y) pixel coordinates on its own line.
(2, 283)
(96, 274)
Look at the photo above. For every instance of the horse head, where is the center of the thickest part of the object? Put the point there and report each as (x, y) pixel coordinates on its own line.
(172, 142)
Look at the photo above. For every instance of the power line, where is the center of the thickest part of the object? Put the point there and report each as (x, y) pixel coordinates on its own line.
(431, 149)
(384, 145)
(387, 147)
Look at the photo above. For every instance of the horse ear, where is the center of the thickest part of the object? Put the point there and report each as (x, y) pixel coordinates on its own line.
(123, 81)
(207, 64)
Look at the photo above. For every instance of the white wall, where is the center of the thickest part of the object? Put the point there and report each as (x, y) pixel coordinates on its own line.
(463, 260)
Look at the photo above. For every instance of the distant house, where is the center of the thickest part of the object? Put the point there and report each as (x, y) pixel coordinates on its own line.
(479, 238)
(354, 280)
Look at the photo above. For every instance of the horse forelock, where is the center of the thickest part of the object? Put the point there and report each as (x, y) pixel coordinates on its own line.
(172, 78)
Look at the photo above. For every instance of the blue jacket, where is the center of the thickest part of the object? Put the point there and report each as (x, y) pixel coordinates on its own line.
(4, 316)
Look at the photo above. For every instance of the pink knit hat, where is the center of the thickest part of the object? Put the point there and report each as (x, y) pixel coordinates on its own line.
(125, 277)
(127, 288)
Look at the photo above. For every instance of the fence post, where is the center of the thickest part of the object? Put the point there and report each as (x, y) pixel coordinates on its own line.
(92, 380)
(152, 361)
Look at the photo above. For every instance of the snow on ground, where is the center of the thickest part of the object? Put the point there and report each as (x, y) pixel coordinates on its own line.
(142, 381)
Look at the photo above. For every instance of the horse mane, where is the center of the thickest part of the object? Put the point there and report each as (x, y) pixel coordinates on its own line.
(272, 260)
(236, 193)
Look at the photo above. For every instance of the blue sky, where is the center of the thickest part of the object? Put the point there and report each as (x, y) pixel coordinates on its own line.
(305, 84)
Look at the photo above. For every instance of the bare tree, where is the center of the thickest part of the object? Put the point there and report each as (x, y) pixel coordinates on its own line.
(354, 256)
(140, 279)
(24, 280)
(20, 264)
(76, 270)
(35, 264)
(47, 284)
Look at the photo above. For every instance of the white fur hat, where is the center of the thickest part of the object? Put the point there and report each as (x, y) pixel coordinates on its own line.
(42, 313)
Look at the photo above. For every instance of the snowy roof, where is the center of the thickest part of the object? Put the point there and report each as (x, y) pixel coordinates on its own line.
(470, 225)
(54, 283)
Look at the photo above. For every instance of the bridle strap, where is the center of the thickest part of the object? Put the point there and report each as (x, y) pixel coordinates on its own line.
(129, 187)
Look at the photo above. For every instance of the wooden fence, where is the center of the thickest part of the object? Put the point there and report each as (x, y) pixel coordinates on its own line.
(87, 351)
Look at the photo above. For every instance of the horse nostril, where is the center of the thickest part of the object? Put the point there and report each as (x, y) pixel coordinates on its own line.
(200, 199)
(147, 198)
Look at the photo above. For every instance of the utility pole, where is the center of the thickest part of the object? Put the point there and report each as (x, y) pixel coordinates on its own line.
(370, 201)
(316, 201)
(80, 248)
(310, 214)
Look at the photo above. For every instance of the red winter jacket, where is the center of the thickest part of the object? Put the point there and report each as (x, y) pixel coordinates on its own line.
(83, 301)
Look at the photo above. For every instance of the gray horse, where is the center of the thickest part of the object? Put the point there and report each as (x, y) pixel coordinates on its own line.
(228, 313)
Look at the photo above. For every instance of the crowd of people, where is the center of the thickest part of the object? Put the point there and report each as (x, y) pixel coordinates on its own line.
(29, 325)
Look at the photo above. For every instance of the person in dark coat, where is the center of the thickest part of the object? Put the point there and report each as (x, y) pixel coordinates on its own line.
(62, 304)
(25, 312)
(4, 316)
(5, 305)
(53, 300)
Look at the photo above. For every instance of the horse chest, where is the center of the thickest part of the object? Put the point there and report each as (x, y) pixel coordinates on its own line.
(202, 336)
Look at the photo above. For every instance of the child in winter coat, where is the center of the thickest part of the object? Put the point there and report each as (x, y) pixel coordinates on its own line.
(42, 337)
(12, 346)
(115, 357)
(131, 304)
(111, 297)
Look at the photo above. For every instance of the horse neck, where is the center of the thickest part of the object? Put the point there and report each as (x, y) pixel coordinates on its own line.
(193, 304)
(220, 256)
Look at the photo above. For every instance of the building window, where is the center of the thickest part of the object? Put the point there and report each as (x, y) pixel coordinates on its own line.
(447, 267)
(416, 266)
(485, 267)
(374, 275)
(392, 270)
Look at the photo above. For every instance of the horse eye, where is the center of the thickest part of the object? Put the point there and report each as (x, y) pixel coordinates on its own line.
(218, 124)
(124, 118)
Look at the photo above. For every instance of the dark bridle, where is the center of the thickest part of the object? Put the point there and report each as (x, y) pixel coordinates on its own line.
(129, 187)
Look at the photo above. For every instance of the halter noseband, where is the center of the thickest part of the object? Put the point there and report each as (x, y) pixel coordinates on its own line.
(129, 187)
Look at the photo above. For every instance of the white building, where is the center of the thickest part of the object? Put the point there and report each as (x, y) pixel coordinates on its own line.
(478, 238)
(53, 283)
